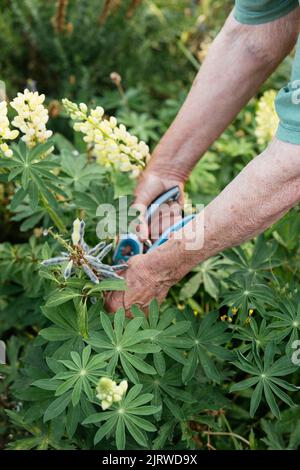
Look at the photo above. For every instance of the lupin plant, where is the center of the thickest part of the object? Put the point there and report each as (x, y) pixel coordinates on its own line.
(80, 255)
(89, 379)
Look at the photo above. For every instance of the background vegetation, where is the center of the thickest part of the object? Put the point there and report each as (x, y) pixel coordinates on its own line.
(228, 323)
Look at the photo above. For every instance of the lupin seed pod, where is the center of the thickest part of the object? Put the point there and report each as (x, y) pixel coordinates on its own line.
(94, 251)
(90, 273)
(53, 261)
(104, 252)
(94, 262)
(68, 270)
(119, 267)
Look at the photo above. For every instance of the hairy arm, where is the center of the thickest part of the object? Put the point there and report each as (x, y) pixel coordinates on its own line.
(265, 190)
(238, 62)
(262, 193)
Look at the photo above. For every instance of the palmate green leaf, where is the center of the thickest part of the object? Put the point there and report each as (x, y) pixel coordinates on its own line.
(104, 285)
(286, 230)
(66, 385)
(256, 398)
(60, 296)
(244, 384)
(76, 393)
(57, 406)
(139, 364)
(123, 342)
(283, 434)
(105, 429)
(47, 384)
(54, 333)
(78, 172)
(170, 384)
(170, 335)
(204, 336)
(165, 433)
(132, 407)
(74, 380)
(67, 326)
(120, 434)
(209, 274)
(246, 293)
(286, 321)
(258, 264)
(72, 421)
(264, 373)
(271, 399)
(256, 332)
(136, 432)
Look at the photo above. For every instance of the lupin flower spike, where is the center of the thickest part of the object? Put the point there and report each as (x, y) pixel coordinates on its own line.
(79, 255)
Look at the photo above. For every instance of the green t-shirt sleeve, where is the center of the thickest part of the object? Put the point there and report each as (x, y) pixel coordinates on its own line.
(288, 105)
(262, 11)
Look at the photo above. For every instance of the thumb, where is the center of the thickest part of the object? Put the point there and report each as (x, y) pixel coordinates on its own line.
(141, 229)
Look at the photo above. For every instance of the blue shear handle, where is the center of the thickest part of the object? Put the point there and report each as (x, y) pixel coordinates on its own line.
(170, 195)
(165, 236)
(129, 245)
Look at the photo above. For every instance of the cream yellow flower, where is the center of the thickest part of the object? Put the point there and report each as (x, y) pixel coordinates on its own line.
(5, 132)
(266, 118)
(31, 118)
(78, 231)
(109, 392)
(111, 144)
(204, 46)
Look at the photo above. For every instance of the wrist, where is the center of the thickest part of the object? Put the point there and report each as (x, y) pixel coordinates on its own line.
(165, 164)
(182, 252)
(169, 263)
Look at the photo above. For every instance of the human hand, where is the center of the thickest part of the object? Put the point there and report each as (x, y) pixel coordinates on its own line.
(150, 186)
(144, 283)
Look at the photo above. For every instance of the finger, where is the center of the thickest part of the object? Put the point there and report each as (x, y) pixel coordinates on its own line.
(141, 229)
(166, 216)
(114, 301)
(144, 309)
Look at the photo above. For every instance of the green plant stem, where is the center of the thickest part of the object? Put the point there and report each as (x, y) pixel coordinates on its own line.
(233, 435)
(83, 320)
(53, 215)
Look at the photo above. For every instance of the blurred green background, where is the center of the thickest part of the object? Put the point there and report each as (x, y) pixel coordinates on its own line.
(137, 58)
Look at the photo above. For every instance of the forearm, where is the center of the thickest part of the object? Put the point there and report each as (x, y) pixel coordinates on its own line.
(265, 190)
(239, 60)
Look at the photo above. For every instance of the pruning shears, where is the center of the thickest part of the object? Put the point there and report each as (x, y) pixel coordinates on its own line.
(129, 245)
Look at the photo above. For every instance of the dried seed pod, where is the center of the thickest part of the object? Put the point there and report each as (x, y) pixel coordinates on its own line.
(90, 273)
(57, 260)
(104, 252)
(108, 274)
(94, 251)
(120, 267)
(68, 270)
(97, 264)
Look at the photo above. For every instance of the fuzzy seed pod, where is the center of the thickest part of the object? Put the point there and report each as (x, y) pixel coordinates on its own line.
(68, 270)
(52, 261)
(104, 252)
(94, 251)
(90, 274)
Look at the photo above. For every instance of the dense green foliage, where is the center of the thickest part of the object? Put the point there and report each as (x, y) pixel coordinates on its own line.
(210, 368)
